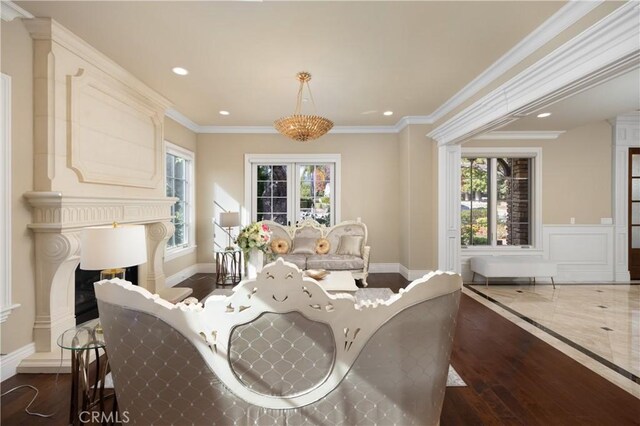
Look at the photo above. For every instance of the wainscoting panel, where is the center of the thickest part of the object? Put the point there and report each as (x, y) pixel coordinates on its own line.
(583, 252)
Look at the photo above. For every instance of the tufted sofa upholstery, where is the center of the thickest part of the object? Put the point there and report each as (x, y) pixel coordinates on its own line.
(332, 261)
(280, 350)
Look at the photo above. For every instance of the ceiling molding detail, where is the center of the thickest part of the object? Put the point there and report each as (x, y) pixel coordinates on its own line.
(397, 128)
(521, 135)
(10, 11)
(603, 51)
(558, 22)
(179, 117)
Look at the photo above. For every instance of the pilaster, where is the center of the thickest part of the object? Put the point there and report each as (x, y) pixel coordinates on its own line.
(626, 134)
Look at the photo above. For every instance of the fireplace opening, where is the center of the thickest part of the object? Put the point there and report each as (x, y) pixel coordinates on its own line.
(86, 303)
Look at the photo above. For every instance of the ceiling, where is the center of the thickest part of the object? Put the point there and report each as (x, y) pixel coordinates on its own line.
(365, 57)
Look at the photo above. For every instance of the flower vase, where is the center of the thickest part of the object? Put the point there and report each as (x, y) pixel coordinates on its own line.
(253, 263)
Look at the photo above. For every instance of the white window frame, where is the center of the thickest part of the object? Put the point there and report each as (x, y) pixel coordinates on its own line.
(173, 149)
(6, 306)
(248, 211)
(536, 197)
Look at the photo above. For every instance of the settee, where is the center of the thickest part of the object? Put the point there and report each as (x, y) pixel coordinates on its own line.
(309, 245)
(280, 350)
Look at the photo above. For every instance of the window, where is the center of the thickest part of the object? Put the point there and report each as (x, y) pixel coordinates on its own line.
(498, 204)
(287, 188)
(180, 184)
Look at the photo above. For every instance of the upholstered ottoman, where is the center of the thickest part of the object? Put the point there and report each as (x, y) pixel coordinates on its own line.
(513, 266)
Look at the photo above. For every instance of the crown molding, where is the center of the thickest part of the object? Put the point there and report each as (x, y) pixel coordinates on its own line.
(179, 117)
(10, 11)
(603, 51)
(189, 124)
(520, 135)
(558, 22)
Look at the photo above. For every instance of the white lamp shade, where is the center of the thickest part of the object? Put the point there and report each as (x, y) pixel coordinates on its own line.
(229, 219)
(108, 247)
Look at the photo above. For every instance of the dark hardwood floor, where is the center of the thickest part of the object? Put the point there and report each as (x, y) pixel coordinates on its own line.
(512, 377)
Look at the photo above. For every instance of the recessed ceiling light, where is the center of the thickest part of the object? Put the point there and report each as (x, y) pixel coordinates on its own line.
(224, 112)
(544, 114)
(180, 71)
(387, 113)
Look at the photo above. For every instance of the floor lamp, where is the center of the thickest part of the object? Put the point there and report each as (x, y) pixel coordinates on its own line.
(110, 249)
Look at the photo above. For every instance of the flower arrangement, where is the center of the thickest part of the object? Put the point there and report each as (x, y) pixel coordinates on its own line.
(254, 236)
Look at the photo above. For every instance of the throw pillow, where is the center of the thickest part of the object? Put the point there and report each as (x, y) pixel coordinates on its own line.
(350, 244)
(322, 246)
(304, 246)
(280, 246)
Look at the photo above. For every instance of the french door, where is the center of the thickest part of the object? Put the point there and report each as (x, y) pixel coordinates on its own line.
(287, 192)
(634, 213)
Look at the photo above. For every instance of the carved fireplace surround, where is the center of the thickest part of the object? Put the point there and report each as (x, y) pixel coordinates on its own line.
(56, 223)
(98, 158)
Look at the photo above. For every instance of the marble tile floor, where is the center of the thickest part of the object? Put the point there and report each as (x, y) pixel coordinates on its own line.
(598, 324)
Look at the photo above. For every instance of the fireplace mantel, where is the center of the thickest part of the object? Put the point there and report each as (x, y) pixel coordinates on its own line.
(57, 221)
(54, 211)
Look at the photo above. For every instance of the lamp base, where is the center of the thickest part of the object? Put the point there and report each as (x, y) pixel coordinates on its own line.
(108, 274)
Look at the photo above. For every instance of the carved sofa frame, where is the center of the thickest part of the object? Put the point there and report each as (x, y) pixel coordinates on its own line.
(280, 350)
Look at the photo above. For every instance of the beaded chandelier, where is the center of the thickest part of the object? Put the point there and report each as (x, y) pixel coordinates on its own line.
(301, 127)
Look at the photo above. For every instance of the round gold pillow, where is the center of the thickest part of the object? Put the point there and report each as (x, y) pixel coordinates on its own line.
(280, 246)
(322, 246)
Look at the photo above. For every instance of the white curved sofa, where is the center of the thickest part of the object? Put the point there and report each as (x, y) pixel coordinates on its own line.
(280, 350)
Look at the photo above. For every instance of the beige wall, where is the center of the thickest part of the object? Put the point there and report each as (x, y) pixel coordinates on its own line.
(369, 188)
(181, 136)
(418, 189)
(576, 173)
(17, 62)
(405, 215)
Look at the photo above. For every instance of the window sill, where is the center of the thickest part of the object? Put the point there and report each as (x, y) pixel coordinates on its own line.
(179, 252)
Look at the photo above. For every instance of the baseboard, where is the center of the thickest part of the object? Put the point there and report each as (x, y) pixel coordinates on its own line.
(9, 362)
(403, 271)
(197, 268)
(623, 276)
(381, 268)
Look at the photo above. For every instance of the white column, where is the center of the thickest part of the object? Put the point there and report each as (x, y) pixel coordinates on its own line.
(449, 208)
(626, 134)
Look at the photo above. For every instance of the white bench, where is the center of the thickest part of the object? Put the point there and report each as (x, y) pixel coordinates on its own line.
(513, 266)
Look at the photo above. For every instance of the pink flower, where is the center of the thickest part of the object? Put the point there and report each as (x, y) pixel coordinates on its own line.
(265, 228)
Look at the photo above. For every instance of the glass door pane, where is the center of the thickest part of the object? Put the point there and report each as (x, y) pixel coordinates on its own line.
(271, 190)
(315, 189)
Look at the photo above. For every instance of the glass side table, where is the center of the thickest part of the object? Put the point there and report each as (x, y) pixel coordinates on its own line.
(228, 267)
(86, 394)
